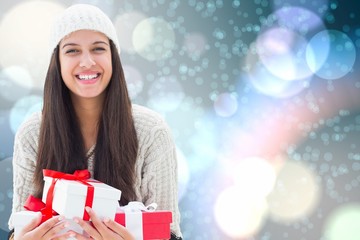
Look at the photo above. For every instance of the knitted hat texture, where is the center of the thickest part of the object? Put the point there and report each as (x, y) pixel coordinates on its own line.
(82, 17)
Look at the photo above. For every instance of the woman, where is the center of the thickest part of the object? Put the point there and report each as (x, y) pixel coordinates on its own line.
(89, 122)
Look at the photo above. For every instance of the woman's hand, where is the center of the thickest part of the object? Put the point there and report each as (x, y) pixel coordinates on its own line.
(101, 230)
(47, 230)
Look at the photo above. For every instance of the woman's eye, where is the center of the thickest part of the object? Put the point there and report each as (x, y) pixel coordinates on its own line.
(71, 51)
(99, 49)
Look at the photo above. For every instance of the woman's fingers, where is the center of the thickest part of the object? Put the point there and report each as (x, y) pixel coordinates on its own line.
(98, 224)
(56, 230)
(107, 229)
(118, 228)
(40, 230)
(43, 228)
(88, 228)
(71, 236)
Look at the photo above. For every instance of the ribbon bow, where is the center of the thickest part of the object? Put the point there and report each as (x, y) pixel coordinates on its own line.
(135, 206)
(133, 217)
(36, 205)
(79, 175)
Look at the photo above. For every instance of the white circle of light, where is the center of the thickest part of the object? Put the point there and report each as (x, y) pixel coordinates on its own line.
(15, 82)
(343, 223)
(153, 39)
(254, 176)
(296, 193)
(237, 214)
(299, 19)
(338, 57)
(320, 7)
(165, 94)
(125, 25)
(22, 109)
(266, 82)
(225, 105)
(25, 29)
(283, 53)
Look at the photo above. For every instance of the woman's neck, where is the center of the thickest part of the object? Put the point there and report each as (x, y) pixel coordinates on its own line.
(88, 112)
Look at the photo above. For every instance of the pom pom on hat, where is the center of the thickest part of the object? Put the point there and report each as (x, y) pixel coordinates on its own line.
(82, 17)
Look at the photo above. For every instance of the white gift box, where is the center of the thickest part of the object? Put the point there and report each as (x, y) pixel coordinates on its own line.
(22, 218)
(70, 195)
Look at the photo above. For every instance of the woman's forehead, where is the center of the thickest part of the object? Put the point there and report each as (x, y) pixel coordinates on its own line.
(84, 37)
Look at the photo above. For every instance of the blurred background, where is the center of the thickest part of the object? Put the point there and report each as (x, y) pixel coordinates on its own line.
(262, 96)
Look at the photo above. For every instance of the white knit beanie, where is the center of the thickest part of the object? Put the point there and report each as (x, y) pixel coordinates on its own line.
(82, 17)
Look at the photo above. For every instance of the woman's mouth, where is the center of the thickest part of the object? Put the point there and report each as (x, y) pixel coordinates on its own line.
(87, 77)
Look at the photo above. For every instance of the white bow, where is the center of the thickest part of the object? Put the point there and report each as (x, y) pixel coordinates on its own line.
(133, 217)
(138, 207)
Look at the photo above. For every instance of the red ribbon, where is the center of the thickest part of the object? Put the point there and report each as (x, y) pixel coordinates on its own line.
(80, 176)
(36, 205)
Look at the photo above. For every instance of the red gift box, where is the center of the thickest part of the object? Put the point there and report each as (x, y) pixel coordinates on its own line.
(155, 225)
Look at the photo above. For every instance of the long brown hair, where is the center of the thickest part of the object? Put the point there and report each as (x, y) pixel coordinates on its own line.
(61, 145)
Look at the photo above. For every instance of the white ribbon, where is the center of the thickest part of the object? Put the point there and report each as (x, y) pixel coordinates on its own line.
(133, 217)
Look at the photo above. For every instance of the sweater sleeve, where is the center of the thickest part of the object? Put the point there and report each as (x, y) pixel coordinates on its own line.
(24, 159)
(159, 170)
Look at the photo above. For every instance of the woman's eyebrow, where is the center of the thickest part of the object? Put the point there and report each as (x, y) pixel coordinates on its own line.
(70, 44)
(100, 42)
(94, 43)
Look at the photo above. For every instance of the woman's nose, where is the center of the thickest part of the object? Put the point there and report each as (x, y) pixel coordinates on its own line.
(87, 61)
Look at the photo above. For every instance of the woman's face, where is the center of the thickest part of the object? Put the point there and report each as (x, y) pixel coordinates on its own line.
(85, 60)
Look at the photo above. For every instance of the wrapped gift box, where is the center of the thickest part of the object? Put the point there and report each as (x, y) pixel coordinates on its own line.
(22, 218)
(69, 198)
(154, 225)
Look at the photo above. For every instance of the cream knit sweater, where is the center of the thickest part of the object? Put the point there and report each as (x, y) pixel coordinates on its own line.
(156, 165)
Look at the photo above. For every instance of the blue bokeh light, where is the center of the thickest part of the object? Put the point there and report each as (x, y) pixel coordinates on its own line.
(263, 84)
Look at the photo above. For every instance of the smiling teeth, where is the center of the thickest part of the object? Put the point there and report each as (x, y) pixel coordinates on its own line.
(87, 77)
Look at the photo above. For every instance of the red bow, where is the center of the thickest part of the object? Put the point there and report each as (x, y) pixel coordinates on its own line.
(36, 205)
(79, 175)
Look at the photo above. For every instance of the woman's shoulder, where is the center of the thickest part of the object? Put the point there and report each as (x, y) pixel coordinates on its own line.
(149, 123)
(146, 117)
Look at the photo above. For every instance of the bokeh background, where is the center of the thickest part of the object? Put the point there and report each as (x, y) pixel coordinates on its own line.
(262, 96)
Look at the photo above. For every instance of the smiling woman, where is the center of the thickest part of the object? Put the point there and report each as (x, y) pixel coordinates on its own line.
(85, 59)
(89, 122)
